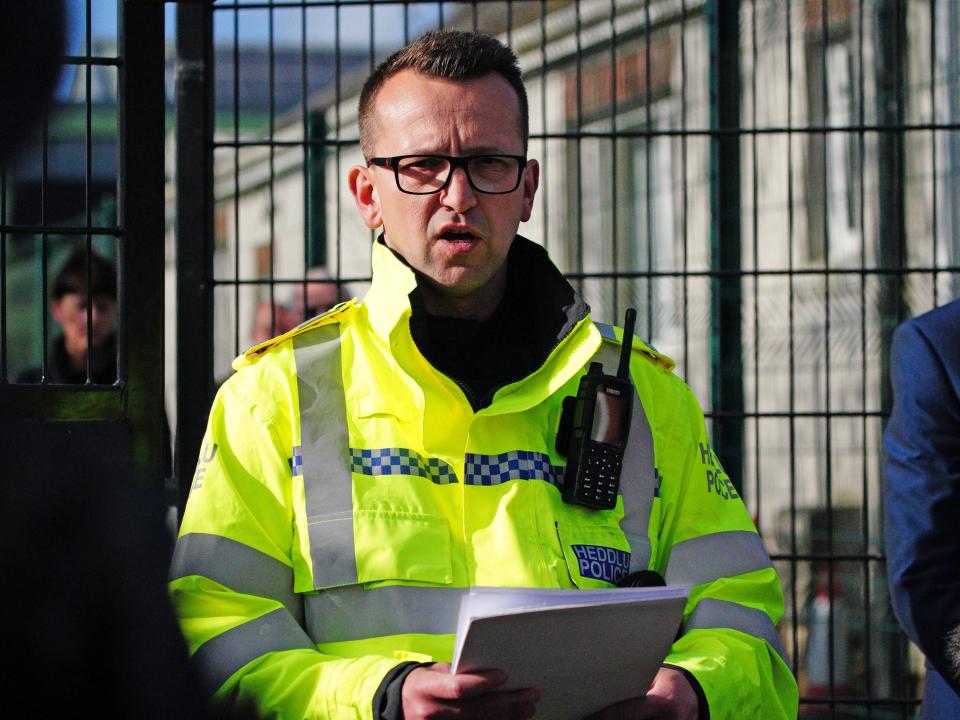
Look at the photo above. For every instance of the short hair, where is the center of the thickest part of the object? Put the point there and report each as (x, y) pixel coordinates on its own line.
(450, 55)
(72, 277)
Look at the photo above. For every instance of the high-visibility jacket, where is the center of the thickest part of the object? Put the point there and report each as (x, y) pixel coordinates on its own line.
(347, 496)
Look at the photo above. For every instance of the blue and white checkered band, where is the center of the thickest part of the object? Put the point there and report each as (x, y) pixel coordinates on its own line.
(401, 461)
(513, 465)
(296, 462)
(659, 478)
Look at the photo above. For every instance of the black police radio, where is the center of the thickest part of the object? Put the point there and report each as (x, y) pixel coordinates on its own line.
(594, 427)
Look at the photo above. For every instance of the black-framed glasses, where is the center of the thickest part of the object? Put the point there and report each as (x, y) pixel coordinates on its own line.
(426, 174)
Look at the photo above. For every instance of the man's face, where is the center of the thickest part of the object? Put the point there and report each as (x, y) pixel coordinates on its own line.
(458, 238)
(70, 311)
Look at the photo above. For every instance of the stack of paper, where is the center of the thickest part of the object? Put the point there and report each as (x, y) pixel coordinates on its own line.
(585, 649)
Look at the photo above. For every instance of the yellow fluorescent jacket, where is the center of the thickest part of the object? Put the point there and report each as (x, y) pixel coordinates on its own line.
(347, 495)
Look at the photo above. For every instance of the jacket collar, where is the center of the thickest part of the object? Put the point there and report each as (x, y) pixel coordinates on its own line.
(388, 310)
(388, 300)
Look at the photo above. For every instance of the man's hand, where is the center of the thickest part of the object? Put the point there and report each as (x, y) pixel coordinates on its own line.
(432, 692)
(670, 697)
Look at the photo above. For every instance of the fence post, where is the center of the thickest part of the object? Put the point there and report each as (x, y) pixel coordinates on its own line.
(141, 212)
(194, 234)
(726, 335)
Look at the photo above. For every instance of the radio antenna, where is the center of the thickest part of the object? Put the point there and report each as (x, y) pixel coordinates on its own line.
(626, 345)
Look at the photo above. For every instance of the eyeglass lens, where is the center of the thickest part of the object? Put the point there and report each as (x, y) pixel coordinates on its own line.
(487, 173)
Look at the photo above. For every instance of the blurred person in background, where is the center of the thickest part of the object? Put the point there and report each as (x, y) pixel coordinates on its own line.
(69, 296)
(317, 294)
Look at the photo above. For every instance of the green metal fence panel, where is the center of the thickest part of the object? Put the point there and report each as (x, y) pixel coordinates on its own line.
(774, 184)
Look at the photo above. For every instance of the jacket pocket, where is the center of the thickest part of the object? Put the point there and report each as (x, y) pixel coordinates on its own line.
(392, 545)
(597, 556)
(368, 546)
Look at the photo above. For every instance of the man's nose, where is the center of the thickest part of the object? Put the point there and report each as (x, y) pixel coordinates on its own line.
(458, 195)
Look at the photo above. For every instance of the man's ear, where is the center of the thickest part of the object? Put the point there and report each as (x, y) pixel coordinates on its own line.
(529, 185)
(365, 194)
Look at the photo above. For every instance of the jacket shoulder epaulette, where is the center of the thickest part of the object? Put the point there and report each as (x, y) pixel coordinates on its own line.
(608, 333)
(333, 315)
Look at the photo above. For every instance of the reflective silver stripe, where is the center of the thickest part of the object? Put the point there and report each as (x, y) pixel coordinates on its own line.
(712, 613)
(717, 555)
(638, 477)
(352, 613)
(328, 485)
(221, 656)
(236, 566)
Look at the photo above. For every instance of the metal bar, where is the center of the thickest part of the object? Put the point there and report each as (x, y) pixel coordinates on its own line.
(816, 557)
(271, 185)
(823, 414)
(917, 270)
(933, 143)
(828, 459)
(951, 181)
(60, 230)
(648, 121)
(74, 403)
(685, 191)
(614, 205)
(755, 220)
(44, 247)
(855, 701)
(338, 64)
(194, 228)
(545, 193)
(141, 212)
(864, 428)
(308, 166)
(890, 234)
(791, 355)
(578, 173)
(834, 271)
(3, 273)
(85, 60)
(236, 181)
(87, 181)
(726, 342)
(646, 133)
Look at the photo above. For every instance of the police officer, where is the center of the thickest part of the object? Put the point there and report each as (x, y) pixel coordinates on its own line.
(360, 473)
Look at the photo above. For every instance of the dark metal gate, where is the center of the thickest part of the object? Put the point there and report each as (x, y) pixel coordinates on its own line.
(774, 183)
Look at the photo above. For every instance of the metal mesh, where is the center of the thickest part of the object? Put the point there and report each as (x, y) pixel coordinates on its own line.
(58, 196)
(773, 184)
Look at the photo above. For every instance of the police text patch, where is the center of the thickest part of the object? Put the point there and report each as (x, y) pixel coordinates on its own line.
(602, 563)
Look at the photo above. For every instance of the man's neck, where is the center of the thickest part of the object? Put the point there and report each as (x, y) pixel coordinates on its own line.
(478, 305)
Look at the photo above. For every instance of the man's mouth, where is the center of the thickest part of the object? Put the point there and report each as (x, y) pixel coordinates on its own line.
(459, 236)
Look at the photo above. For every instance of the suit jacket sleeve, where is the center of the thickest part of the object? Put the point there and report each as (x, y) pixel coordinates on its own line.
(922, 491)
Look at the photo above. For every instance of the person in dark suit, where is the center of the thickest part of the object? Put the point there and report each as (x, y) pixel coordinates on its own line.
(922, 493)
